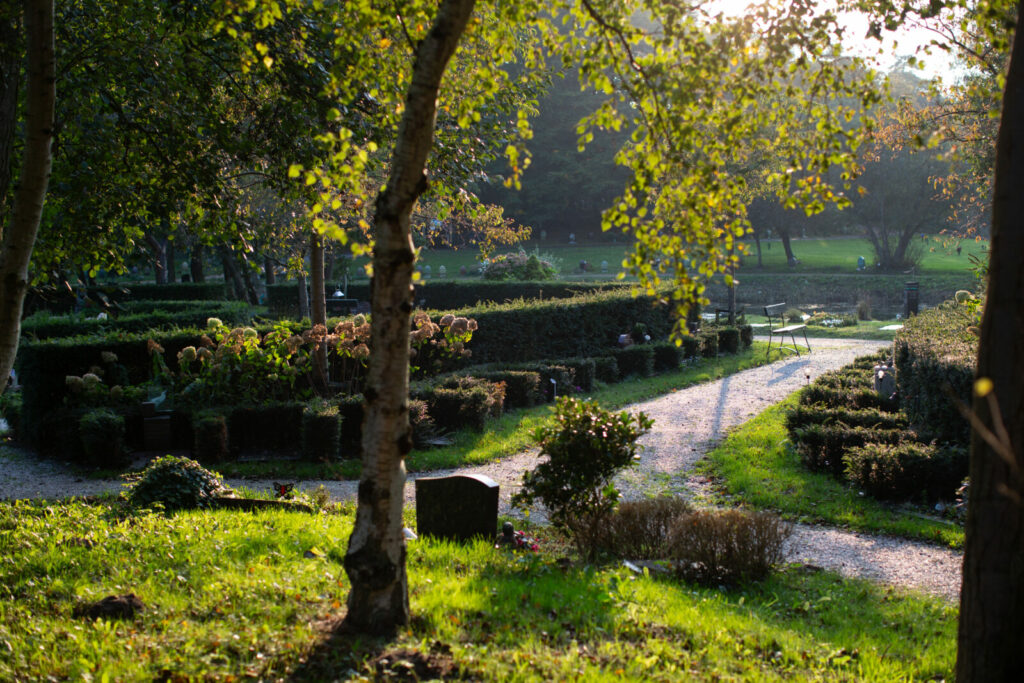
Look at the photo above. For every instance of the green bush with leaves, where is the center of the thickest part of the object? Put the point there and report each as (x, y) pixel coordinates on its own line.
(522, 387)
(175, 483)
(606, 369)
(102, 434)
(907, 471)
(667, 356)
(520, 266)
(210, 429)
(709, 344)
(635, 360)
(585, 447)
(729, 340)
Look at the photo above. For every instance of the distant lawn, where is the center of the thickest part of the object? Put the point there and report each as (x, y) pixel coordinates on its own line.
(817, 255)
(257, 596)
(756, 466)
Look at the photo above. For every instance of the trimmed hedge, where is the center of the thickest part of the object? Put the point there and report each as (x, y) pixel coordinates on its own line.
(635, 360)
(935, 351)
(584, 372)
(193, 314)
(522, 387)
(606, 369)
(667, 356)
(822, 447)
(184, 291)
(729, 340)
(854, 398)
(802, 416)
(907, 471)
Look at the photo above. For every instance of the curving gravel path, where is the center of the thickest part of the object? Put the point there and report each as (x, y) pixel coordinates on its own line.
(688, 423)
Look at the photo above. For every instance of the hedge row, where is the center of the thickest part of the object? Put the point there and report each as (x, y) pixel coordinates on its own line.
(935, 353)
(449, 295)
(160, 315)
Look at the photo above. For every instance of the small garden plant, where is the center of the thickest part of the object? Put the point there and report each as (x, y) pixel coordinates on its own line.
(176, 484)
(586, 447)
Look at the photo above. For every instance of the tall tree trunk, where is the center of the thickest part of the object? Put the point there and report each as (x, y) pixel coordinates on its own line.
(20, 236)
(252, 292)
(757, 243)
(303, 296)
(991, 633)
(791, 259)
(268, 271)
(318, 308)
(375, 561)
(231, 274)
(172, 270)
(195, 263)
(159, 248)
(10, 81)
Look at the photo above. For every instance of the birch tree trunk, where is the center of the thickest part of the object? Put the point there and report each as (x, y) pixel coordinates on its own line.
(991, 631)
(19, 237)
(318, 308)
(375, 562)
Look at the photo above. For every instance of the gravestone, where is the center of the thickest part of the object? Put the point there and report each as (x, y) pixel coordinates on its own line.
(457, 508)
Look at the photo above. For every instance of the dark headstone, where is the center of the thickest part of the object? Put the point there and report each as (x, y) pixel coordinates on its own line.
(110, 607)
(457, 508)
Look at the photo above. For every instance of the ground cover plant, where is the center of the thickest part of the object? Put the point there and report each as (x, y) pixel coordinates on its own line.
(756, 465)
(229, 595)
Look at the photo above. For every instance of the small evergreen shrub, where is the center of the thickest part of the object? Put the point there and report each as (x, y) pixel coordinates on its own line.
(667, 356)
(454, 409)
(102, 434)
(713, 547)
(495, 390)
(635, 360)
(746, 336)
(729, 340)
(856, 399)
(583, 372)
(801, 416)
(606, 369)
(522, 387)
(709, 344)
(586, 447)
(642, 529)
(321, 431)
(691, 346)
(822, 447)
(272, 426)
(424, 429)
(211, 436)
(907, 471)
(176, 483)
(350, 410)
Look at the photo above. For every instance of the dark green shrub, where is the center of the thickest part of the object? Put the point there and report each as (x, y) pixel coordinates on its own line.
(454, 409)
(137, 319)
(273, 426)
(102, 434)
(709, 344)
(350, 409)
(522, 387)
(321, 431)
(713, 547)
(746, 336)
(857, 399)
(586, 447)
(211, 436)
(495, 390)
(802, 416)
(935, 350)
(642, 529)
(563, 384)
(691, 346)
(176, 483)
(729, 340)
(907, 471)
(519, 266)
(424, 429)
(583, 372)
(667, 356)
(822, 447)
(606, 369)
(635, 360)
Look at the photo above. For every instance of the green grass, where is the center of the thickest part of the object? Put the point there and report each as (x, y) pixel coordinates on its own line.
(864, 329)
(233, 595)
(817, 255)
(756, 466)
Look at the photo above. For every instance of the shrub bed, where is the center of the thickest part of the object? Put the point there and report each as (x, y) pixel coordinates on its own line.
(907, 471)
(803, 416)
(823, 446)
(137, 319)
(635, 360)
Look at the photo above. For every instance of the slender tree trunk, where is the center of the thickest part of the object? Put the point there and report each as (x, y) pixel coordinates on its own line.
(790, 257)
(268, 271)
(20, 236)
(195, 263)
(303, 296)
(252, 292)
(375, 561)
(990, 643)
(318, 308)
(159, 248)
(172, 270)
(10, 81)
(757, 243)
(231, 274)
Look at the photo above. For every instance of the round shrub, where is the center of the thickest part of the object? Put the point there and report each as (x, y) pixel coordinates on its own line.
(713, 547)
(709, 344)
(176, 483)
(606, 369)
(102, 435)
(641, 529)
(211, 436)
(729, 340)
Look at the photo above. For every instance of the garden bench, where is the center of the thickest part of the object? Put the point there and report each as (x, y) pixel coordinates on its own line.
(719, 312)
(776, 316)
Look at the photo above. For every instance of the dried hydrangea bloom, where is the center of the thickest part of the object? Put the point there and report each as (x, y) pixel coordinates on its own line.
(363, 331)
(108, 356)
(294, 342)
(345, 328)
(214, 323)
(116, 392)
(361, 351)
(359, 320)
(472, 325)
(459, 326)
(187, 354)
(204, 354)
(152, 347)
(205, 341)
(420, 318)
(74, 383)
(90, 380)
(96, 370)
(250, 333)
(447, 320)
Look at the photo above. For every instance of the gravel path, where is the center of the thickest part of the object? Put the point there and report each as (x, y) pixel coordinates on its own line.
(688, 423)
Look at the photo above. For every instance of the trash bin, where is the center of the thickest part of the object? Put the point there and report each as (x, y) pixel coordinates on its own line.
(910, 300)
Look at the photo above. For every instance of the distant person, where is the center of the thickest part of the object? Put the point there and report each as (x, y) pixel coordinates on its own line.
(861, 263)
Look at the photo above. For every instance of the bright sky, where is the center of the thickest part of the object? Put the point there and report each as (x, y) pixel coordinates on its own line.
(902, 43)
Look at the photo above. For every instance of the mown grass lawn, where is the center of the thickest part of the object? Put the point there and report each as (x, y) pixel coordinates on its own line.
(756, 466)
(233, 595)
